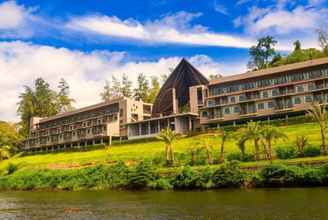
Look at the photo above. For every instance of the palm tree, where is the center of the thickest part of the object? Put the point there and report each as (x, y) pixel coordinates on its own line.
(319, 114)
(168, 136)
(301, 141)
(241, 145)
(4, 152)
(224, 136)
(270, 134)
(253, 132)
(208, 149)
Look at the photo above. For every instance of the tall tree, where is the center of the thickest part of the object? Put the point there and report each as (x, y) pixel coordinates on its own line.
(141, 92)
(320, 114)
(269, 135)
(64, 101)
(155, 87)
(107, 92)
(262, 53)
(41, 102)
(116, 87)
(168, 136)
(126, 86)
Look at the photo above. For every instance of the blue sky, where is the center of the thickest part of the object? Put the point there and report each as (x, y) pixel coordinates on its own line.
(87, 42)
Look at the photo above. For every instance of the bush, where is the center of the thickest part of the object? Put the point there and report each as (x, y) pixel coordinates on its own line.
(279, 174)
(237, 156)
(187, 178)
(228, 175)
(142, 176)
(11, 168)
(286, 152)
(311, 151)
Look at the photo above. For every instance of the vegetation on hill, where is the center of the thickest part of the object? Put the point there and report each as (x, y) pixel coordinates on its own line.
(263, 55)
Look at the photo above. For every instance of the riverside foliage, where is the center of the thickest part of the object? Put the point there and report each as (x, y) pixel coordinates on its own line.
(145, 176)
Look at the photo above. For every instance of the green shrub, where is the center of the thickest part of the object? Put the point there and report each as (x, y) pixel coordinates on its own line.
(187, 178)
(161, 183)
(279, 174)
(228, 175)
(237, 156)
(142, 176)
(11, 168)
(311, 151)
(286, 152)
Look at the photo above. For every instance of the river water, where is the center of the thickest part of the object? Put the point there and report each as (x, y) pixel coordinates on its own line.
(234, 204)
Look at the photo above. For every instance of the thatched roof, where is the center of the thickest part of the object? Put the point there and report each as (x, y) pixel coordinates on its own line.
(183, 77)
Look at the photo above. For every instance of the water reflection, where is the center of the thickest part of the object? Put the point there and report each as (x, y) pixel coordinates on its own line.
(234, 204)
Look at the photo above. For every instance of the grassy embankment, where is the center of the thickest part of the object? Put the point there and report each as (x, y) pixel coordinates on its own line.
(132, 153)
(61, 170)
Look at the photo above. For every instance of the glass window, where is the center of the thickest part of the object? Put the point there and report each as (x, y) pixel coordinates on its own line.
(260, 106)
(297, 100)
(204, 114)
(265, 94)
(308, 98)
(226, 110)
(210, 103)
(237, 109)
(270, 104)
(232, 99)
(300, 88)
(275, 92)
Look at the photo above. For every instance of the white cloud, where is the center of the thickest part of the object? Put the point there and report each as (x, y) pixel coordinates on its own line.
(21, 63)
(286, 24)
(15, 20)
(174, 29)
(220, 8)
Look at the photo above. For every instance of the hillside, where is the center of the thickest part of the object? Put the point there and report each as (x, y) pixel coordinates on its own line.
(132, 153)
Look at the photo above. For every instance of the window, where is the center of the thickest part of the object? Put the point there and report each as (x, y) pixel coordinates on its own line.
(270, 104)
(260, 106)
(237, 109)
(232, 99)
(275, 92)
(297, 100)
(308, 98)
(226, 111)
(265, 94)
(204, 114)
(210, 103)
(300, 88)
(242, 97)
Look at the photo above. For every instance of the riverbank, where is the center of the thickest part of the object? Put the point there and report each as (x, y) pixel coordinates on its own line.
(146, 176)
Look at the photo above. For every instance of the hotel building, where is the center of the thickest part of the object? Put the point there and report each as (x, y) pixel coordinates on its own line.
(188, 101)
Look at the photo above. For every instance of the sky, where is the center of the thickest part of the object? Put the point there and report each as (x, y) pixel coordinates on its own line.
(87, 42)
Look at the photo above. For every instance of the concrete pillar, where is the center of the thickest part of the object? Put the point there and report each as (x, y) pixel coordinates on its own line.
(110, 140)
(159, 125)
(139, 129)
(234, 123)
(189, 124)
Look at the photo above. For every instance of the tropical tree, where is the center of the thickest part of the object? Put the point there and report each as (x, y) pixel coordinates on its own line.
(224, 136)
(64, 101)
(241, 143)
(126, 86)
(301, 141)
(107, 92)
(4, 152)
(41, 101)
(154, 89)
(262, 53)
(168, 137)
(205, 145)
(141, 92)
(253, 132)
(318, 112)
(269, 135)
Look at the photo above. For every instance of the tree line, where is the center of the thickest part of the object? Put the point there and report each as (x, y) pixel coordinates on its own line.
(146, 88)
(264, 55)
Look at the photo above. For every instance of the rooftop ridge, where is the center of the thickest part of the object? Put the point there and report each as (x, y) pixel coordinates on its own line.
(268, 71)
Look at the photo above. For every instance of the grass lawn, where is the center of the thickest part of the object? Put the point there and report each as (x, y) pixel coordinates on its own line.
(133, 152)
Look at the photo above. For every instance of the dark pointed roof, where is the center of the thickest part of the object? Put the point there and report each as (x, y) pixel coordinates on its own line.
(183, 77)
